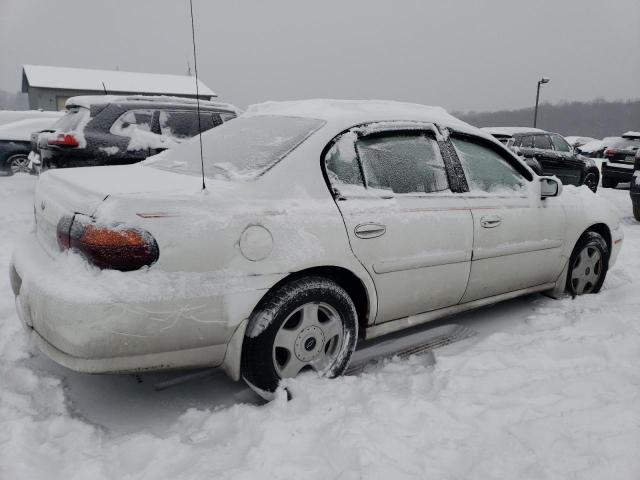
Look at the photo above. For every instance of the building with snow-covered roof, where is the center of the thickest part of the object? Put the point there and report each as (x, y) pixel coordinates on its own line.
(49, 88)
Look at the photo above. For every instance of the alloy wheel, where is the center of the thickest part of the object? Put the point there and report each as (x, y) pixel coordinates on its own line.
(19, 164)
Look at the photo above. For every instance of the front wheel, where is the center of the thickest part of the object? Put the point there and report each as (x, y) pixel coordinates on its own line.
(588, 265)
(308, 324)
(591, 181)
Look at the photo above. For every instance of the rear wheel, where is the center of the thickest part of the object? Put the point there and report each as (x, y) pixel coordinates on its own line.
(588, 264)
(609, 182)
(18, 163)
(591, 181)
(307, 324)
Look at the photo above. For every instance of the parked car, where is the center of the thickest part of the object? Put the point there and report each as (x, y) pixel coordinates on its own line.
(555, 155)
(596, 148)
(15, 143)
(322, 222)
(577, 142)
(113, 130)
(635, 187)
(10, 116)
(508, 141)
(619, 158)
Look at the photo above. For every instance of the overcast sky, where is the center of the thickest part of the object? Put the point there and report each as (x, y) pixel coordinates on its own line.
(464, 55)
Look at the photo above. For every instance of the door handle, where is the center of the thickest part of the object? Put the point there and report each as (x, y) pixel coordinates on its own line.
(492, 221)
(369, 230)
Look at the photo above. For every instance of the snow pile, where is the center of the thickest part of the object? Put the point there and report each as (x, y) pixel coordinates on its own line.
(548, 389)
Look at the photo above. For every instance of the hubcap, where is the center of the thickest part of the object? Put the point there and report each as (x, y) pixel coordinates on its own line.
(19, 164)
(586, 271)
(310, 337)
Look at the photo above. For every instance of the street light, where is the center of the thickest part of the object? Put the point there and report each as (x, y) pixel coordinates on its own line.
(542, 81)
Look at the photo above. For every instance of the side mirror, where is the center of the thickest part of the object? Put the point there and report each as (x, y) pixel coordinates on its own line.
(550, 187)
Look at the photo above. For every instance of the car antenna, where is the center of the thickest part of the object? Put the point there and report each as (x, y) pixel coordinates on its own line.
(195, 69)
(104, 88)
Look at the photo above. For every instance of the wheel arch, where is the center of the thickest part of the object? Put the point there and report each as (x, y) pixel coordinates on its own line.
(352, 283)
(602, 229)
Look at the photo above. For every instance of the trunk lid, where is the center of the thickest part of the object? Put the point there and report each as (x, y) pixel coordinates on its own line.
(65, 192)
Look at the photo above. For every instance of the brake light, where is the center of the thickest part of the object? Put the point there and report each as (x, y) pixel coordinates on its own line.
(115, 247)
(610, 152)
(64, 140)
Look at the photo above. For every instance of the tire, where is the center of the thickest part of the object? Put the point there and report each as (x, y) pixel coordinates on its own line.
(288, 332)
(636, 212)
(18, 163)
(591, 181)
(609, 183)
(588, 265)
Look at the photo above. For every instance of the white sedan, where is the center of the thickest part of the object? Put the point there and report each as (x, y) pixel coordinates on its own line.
(322, 222)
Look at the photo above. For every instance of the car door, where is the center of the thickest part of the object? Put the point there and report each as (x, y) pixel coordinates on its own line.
(406, 226)
(517, 236)
(570, 169)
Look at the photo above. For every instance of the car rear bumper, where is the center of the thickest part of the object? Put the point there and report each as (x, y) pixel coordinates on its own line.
(621, 172)
(87, 326)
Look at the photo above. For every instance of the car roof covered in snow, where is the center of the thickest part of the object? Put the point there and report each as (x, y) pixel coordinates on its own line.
(21, 130)
(513, 130)
(87, 101)
(357, 111)
(497, 132)
(114, 81)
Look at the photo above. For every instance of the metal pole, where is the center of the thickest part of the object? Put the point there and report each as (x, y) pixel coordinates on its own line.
(535, 115)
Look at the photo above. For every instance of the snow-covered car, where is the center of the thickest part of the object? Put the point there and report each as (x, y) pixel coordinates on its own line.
(15, 138)
(576, 141)
(322, 222)
(118, 130)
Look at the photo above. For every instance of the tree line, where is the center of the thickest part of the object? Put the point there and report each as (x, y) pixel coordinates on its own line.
(598, 118)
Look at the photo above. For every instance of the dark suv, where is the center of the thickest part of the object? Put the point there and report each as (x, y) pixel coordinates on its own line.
(619, 158)
(555, 156)
(111, 130)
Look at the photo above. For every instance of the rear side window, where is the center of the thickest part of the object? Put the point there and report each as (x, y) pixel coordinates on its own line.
(542, 142)
(343, 167)
(402, 163)
(133, 120)
(486, 170)
(184, 124)
(560, 143)
(71, 120)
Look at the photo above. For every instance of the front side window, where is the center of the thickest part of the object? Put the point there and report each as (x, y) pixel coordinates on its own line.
(525, 141)
(542, 142)
(560, 144)
(486, 170)
(402, 163)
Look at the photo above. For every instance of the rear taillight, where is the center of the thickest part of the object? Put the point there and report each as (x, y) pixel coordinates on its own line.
(115, 247)
(610, 152)
(63, 140)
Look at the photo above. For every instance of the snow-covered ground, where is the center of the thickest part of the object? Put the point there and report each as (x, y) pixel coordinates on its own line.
(546, 390)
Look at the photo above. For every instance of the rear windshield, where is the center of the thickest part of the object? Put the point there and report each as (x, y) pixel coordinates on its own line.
(71, 120)
(625, 143)
(245, 147)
